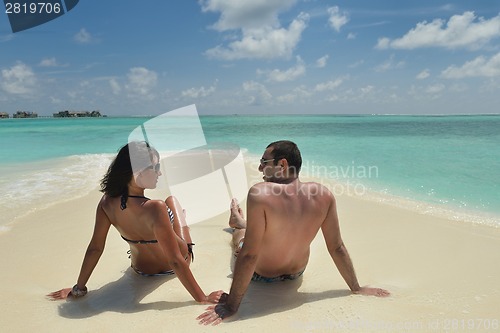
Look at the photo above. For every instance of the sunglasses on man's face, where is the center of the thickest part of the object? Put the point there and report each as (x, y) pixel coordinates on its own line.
(263, 162)
(155, 167)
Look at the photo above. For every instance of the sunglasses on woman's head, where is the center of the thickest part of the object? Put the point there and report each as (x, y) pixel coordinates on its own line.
(155, 167)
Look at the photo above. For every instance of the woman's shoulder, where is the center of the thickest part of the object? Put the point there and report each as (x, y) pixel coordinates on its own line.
(155, 206)
(106, 201)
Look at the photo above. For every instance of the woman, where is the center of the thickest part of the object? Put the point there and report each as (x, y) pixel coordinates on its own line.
(156, 231)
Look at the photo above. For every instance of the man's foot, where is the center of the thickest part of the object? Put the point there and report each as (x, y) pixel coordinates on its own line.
(236, 219)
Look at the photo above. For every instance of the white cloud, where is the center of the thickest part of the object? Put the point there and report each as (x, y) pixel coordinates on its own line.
(423, 74)
(115, 86)
(351, 36)
(141, 81)
(19, 79)
(300, 94)
(258, 93)
(55, 100)
(461, 31)
(458, 87)
(435, 89)
(479, 67)
(357, 64)
(83, 37)
(49, 62)
(263, 43)
(366, 90)
(328, 86)
(256, 23)
(288, 98)
(337, 19)
(383, 43)
(199, 92)
(321, 62)
(244, 14)
(389, 64)
(288, 75)
(6, 38)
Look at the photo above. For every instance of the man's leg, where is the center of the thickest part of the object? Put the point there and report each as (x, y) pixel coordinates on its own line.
(236, 220)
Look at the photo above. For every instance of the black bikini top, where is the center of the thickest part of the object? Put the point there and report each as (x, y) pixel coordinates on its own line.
(123, 200)
(123, 205)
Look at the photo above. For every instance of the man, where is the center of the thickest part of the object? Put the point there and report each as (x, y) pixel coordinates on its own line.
(283, 217)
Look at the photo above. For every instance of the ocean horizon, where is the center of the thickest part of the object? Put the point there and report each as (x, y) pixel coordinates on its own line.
(442, 165)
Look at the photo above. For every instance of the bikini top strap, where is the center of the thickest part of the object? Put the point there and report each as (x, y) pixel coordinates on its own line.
(125, 196)
(123, 201)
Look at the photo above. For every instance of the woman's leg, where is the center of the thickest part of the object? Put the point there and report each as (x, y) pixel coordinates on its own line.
(180, 226)
(238, 223)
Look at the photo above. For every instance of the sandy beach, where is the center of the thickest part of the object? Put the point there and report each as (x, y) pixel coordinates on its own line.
(443, 276)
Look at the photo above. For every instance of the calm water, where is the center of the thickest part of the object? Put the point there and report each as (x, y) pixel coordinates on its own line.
(447, 163)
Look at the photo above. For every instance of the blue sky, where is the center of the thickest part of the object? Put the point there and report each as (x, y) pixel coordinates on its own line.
(257, 57)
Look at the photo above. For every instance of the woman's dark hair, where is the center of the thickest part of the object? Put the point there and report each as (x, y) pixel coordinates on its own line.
(133, 157)
(289, 151)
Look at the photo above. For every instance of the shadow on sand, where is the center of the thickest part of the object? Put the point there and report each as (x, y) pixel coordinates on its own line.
(123, 295)
(265, 298)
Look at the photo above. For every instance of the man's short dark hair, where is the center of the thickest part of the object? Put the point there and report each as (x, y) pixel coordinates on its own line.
(289, 151)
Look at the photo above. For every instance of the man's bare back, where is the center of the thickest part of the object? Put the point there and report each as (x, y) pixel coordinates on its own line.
(287, 237)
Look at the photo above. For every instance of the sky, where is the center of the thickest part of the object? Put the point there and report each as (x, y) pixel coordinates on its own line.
(257, 57)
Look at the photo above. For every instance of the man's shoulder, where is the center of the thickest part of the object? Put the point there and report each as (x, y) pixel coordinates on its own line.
(264, 190)
(261, 189)
(315, 188)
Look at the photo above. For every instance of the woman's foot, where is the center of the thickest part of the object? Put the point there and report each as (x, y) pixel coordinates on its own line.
(237, 241)
(237, 247)
(236, 219)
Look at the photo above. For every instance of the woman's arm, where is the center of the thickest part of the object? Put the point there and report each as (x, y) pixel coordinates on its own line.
(166, 238)
(95, 247)
(92, 255)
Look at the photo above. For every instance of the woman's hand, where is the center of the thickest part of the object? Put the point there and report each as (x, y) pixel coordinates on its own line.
(214, 297)
(367, 291)
(60, 294)
(74, 292)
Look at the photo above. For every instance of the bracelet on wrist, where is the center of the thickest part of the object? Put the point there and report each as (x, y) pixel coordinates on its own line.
(77, 292)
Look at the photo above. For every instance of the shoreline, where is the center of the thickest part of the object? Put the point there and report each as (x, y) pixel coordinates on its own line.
(98, 162)
(437, 271)
(341, 187)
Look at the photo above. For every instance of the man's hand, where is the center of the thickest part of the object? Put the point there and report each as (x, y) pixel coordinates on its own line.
(367, 291)
(215, 314)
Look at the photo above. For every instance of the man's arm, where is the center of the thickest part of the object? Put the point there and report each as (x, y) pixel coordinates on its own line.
(339, 254)
(246, 261)
(336, 247)
(247, 258)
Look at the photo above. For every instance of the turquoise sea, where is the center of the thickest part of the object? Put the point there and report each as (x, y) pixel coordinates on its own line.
(440, 165)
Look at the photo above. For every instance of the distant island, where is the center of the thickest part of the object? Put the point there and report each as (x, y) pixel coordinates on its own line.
(60, 114)
(77, 114)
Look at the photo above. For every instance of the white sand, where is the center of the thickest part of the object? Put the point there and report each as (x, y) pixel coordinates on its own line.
(443, 275)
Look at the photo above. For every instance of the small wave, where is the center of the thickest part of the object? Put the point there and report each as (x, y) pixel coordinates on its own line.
(445, 211)
(28, 187)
